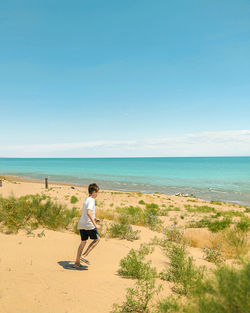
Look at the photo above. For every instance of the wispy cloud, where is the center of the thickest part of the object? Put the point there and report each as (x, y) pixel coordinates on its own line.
(233, 142)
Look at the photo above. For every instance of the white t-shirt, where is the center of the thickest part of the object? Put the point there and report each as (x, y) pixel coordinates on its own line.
(85, 221)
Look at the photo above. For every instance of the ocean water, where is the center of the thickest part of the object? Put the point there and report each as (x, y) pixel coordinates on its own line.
(210, 178)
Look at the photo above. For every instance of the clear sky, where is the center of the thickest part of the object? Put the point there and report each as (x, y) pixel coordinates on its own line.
(124, 78)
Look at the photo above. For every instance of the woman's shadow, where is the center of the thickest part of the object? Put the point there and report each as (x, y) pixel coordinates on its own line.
(69, 265)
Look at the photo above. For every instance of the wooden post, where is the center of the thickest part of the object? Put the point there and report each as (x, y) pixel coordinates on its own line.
(46, 183)
(1, 183)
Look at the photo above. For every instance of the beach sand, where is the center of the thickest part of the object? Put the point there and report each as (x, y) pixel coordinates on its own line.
(37, 274)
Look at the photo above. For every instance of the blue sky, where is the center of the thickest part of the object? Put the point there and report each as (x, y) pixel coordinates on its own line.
(124, 78)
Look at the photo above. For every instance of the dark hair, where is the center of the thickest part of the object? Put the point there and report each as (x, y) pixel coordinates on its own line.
(93, 187)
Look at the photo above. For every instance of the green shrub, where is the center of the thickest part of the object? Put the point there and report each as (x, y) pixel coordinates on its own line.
(171, 207)
(182, 271)
(151, 218)
(213, 255)
(135, 215)
(227, 291)
(152, 206)
(235, 242)
(217, 202)
(212, 225)
(204, 222)
(34, 210)
(73, 199)
(199, 209)
(228, 214)
(138, 298)
(169, 305)
(243, 224)
(247, 209)
(173, 233)
(163, 212)
(138, 216)
(216, 226)
(133, 264)
(123, 231)
(142, 202)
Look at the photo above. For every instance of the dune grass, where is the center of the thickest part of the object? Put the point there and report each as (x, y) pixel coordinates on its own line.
(73, 199)
(182, 270)
(225, 290)
(32, 211)
(122, 231)
(138, 299)
(199, 209)
(212, 225)
(147, 216)
(134, 265)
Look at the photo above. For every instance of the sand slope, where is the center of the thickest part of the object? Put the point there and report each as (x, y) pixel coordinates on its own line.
(37, 274)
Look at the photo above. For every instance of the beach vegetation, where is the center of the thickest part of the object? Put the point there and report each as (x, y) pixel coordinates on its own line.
(217, 202)
(173, 234)
(171, 207)
(138, 216)
(34, 210)
(122, 231)
(213, 255)
(134, 215)
(170, 304)
(142, 202)
(247, 209)
(204, 222)
(213, 226)
(219, 225)
(107, 214)
(152, 206)
(135, 266)
(224, 290)
(138, 299)
(243, 224)
(182, 271)
(234, 242)
(73, 199)
(199, 209)
(228, 214)
(163, 212)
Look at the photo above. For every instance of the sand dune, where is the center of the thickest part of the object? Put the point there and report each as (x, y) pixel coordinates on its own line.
(37, 273)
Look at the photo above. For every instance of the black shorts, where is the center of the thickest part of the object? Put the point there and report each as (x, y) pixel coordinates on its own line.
(89, 233)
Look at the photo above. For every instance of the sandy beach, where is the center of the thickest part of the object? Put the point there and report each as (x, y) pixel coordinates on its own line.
(37, 274)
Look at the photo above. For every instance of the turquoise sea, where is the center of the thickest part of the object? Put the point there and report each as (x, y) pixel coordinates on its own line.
(210, 178)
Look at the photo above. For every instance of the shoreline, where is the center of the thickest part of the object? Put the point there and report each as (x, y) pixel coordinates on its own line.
(44, 268)
(61, 183)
